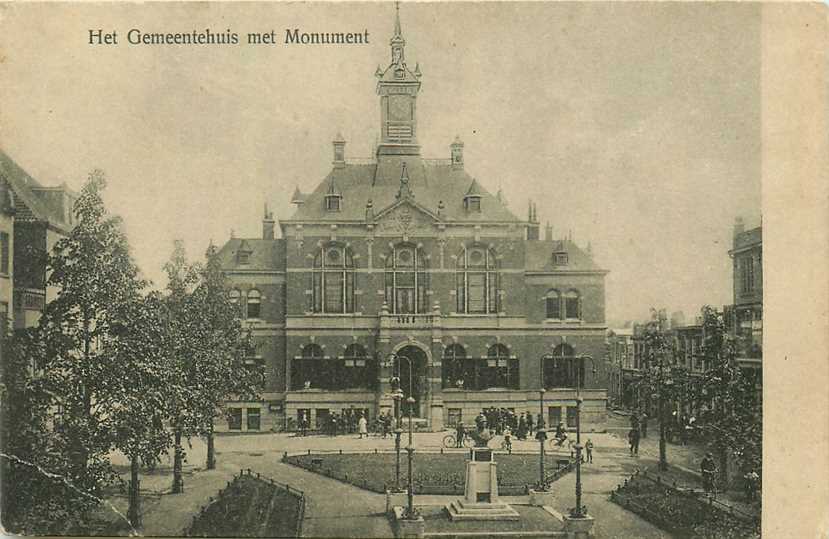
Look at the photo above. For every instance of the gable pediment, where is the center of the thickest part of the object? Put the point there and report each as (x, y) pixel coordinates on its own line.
(406, 217)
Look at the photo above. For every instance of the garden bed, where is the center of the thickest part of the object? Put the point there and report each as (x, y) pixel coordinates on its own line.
(432, 473)
(251, 507)
(680, 511)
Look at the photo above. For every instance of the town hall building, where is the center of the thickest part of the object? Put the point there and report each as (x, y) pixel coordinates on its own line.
(400, 256)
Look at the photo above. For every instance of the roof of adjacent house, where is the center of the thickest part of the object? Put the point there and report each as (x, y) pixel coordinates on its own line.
(430, 182)
(264, 255)
(539, 256)
(29, 204)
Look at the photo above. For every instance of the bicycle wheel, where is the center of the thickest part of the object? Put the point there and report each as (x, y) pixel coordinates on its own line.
(449, 441)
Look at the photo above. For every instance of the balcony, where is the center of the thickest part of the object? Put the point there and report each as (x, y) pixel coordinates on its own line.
(408, 321)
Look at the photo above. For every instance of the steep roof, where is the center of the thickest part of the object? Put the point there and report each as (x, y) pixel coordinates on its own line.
(539, 257)
(430, 181)
(265, 255)
(29, 204)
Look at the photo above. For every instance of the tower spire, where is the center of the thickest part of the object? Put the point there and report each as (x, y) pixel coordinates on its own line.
(397, 31)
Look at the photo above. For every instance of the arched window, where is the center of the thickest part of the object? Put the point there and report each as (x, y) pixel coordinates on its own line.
(563, 369)
(553, 300)
(313, 369)
(476, 281)
(254, 304)
(234, 297)
(500, 370)
(356, 368)
(333, 280)
(406, 280)
(458, 370)
(572, 305)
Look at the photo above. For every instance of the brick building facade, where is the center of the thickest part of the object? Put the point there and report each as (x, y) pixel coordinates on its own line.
(399, 254)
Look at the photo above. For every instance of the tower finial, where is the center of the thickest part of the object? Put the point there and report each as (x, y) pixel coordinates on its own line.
(397, 31)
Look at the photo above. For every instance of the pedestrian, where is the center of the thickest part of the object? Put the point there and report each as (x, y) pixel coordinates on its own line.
(643, 422)
(303, 423)
(363, 426)
(529, 421)
(752, 486)
(384, 423)
(539, 422)
(708, 468)
(589, 447)
(460, 432)
(522, 428)
(633, 439)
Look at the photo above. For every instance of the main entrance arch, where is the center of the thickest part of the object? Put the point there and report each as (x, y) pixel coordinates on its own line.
(414, 382)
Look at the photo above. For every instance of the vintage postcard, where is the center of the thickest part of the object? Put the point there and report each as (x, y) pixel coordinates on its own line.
(414, 269)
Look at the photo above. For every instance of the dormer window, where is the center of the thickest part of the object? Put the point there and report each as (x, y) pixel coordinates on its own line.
(473, 203)
(244, 258)
(333, 202)
(560, 259)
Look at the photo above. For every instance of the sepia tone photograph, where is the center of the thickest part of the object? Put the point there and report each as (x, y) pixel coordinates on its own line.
(383, 269)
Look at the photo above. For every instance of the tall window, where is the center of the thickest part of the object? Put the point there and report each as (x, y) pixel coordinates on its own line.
(476, 281)
(572, 305)
(553, 305)
(356, 368)
(500, 371)
(746, 274)
(4, 253)
(458, 370)
(406, 280)
(563, 369)
(254, 304)
(333, 280)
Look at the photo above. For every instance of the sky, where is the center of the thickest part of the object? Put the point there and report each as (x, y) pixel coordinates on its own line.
(636, 126)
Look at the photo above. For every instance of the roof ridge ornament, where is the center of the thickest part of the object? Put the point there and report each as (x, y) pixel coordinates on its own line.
(405, 190)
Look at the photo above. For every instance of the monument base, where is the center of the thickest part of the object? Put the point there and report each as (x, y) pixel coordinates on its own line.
(540, 498)
(460, 510)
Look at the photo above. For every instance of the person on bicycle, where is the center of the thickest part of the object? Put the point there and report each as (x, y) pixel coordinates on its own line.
(561, 434)
(460, 433)
(708, 468)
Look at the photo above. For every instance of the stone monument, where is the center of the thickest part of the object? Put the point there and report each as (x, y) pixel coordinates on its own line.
(480, 501)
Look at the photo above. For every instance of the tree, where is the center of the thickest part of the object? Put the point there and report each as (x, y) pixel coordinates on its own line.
(180, 347)
(225, 345)
(98, 284)
(38, 499)
(138, 417)
(733, 424)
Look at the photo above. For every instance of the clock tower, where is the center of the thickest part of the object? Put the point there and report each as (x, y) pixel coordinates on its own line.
(398, 87)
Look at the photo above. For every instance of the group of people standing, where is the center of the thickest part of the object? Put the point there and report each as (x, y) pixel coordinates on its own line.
(349, 420)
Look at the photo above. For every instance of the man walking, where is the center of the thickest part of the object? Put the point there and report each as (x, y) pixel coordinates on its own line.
(643, 422)
(633, 439)
(589, 447)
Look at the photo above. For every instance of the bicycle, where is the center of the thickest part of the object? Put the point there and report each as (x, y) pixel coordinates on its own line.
(506, 445)
(451, 442)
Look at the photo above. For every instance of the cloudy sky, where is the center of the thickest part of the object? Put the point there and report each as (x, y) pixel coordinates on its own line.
(635, 125)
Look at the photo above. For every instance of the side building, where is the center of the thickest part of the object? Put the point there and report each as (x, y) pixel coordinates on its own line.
(400, 256)
(7, 206)
(42, 215)
(745, 316)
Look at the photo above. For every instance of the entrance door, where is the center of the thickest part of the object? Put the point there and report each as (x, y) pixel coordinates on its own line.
(413, 384)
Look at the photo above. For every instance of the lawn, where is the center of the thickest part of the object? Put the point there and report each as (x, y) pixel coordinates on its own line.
(432, 473)
(250, 507)
(680, 512)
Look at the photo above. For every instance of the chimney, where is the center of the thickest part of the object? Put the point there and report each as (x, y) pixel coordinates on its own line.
(739, 226)
(339, 151)
(548, 232)
(457, 154)
(267, 224)
(532, 225)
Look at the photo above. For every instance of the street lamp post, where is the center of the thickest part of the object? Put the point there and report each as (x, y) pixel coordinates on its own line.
(398, 395)
(541, 440)
(410, 450)
(663, 457)
(579, 511)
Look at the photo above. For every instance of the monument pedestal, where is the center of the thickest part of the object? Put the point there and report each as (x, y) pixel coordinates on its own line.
(480, 500)
(578, 528)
